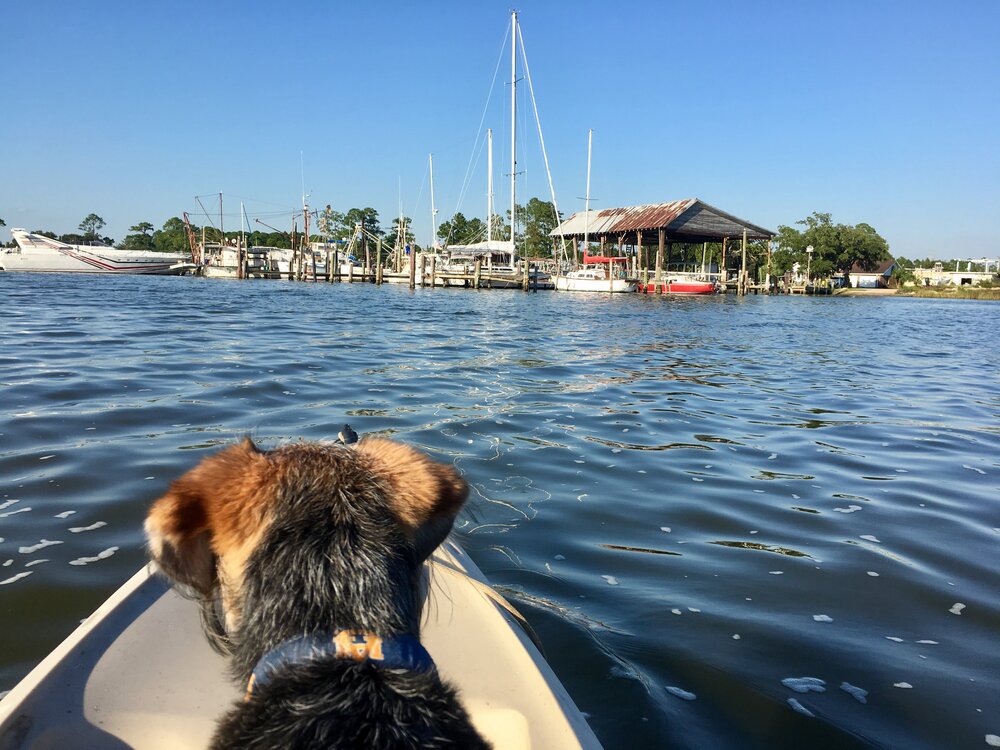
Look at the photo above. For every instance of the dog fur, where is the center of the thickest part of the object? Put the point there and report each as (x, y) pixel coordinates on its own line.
(309, 538)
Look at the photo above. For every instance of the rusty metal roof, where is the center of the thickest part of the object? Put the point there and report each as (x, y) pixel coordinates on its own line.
(688, 220)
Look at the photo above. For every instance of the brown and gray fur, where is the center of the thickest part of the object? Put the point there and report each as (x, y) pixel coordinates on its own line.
(308, 538)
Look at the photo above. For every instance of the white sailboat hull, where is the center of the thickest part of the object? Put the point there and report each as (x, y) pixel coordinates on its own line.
(618, 286)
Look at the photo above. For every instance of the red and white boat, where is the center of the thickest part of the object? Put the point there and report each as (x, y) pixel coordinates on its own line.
(38, 253)
(677, 283)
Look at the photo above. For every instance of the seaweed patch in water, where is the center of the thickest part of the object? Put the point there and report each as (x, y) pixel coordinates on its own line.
(647, 550)
(763, 548)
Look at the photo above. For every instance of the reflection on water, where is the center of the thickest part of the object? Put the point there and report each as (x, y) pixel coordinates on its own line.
(701, 510)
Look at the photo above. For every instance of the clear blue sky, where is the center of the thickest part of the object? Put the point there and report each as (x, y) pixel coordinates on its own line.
(885, 112)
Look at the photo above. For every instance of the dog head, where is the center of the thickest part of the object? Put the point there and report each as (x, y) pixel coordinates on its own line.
(305, 533)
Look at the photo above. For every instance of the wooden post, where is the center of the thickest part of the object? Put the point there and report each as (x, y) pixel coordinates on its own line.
(433, 269)
(524, 279)
(329, 265)
(659, 255)
(350, 271)
(413, 268)
(478, 272)
(644, 260)
(722, 265)
(768, 265)
(743, 266)
(336, 264)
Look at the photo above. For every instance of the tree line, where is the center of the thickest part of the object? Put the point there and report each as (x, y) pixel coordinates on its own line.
(535, 220)
(836, 247)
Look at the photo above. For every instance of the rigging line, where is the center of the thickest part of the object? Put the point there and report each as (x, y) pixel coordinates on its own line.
(482, 119)
(420, 195)
(541, 140)
(205, 210)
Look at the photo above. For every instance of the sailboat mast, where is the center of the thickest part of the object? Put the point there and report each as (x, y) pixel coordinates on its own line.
(513, 127)
(434, 242)
(586, 221)
(489, 186)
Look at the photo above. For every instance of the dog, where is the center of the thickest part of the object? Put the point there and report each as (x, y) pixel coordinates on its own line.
(306, 560)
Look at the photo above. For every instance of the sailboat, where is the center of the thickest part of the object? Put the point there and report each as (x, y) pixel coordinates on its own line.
(598, 273)
(500, 263)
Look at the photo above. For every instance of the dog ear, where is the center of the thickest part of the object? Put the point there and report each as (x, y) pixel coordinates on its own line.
(203, 513)
(426, 495)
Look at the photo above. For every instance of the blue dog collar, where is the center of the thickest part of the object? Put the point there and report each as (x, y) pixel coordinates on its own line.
(396, 652)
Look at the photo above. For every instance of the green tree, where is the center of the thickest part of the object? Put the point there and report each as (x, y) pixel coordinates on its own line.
(330, 222)
(91, 227)
(836, 247)
(172, 238)
(538, 219)
(141, 237)
(461, 231)
(367, 216)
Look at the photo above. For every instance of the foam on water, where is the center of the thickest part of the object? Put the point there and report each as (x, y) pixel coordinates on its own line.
(805, 684)
(35, 547)
(684, 695)
(103, 555)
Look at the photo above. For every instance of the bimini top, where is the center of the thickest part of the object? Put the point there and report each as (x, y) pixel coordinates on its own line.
(688, 220)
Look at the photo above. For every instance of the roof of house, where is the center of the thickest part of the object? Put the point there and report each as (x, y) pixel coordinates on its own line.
(688, 220)
(882, 269)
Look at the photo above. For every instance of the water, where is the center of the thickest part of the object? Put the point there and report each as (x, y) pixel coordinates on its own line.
(734, 523)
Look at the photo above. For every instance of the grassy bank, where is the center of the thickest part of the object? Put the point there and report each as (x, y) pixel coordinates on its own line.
(952, 292)
(945, 292)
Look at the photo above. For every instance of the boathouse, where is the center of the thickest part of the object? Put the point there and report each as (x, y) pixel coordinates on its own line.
(663, 225)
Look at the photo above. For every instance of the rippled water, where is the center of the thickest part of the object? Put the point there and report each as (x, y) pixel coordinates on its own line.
(768, 522)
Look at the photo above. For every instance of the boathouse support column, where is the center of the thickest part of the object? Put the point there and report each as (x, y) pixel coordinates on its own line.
(643, 259)
(722, 264)
(743, 266)
(769, 265)
(659, 255)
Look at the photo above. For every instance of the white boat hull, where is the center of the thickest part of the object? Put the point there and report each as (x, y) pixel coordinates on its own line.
(139, 673)
(618, 286)
(39, 254)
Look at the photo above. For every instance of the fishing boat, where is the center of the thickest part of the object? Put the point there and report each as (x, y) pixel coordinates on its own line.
(41, 254)
(139, 673)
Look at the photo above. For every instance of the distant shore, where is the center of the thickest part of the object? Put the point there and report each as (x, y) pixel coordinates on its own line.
(961, 292)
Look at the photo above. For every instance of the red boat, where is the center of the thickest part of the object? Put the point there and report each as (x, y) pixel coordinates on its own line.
(679, 285)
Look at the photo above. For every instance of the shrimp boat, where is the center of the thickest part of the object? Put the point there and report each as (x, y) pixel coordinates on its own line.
(139, 673)
(41, 254)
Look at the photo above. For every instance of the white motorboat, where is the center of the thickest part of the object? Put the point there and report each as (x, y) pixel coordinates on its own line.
(38, 253)
(139, 673)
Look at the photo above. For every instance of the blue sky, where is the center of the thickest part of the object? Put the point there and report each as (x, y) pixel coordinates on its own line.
(885, 112)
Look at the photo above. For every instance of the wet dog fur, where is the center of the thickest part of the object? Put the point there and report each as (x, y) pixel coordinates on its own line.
(304, 539)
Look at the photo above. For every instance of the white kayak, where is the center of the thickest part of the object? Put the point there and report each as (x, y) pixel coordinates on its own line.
(138, 673)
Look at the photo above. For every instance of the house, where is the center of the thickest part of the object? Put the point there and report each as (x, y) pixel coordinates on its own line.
(878, 278)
